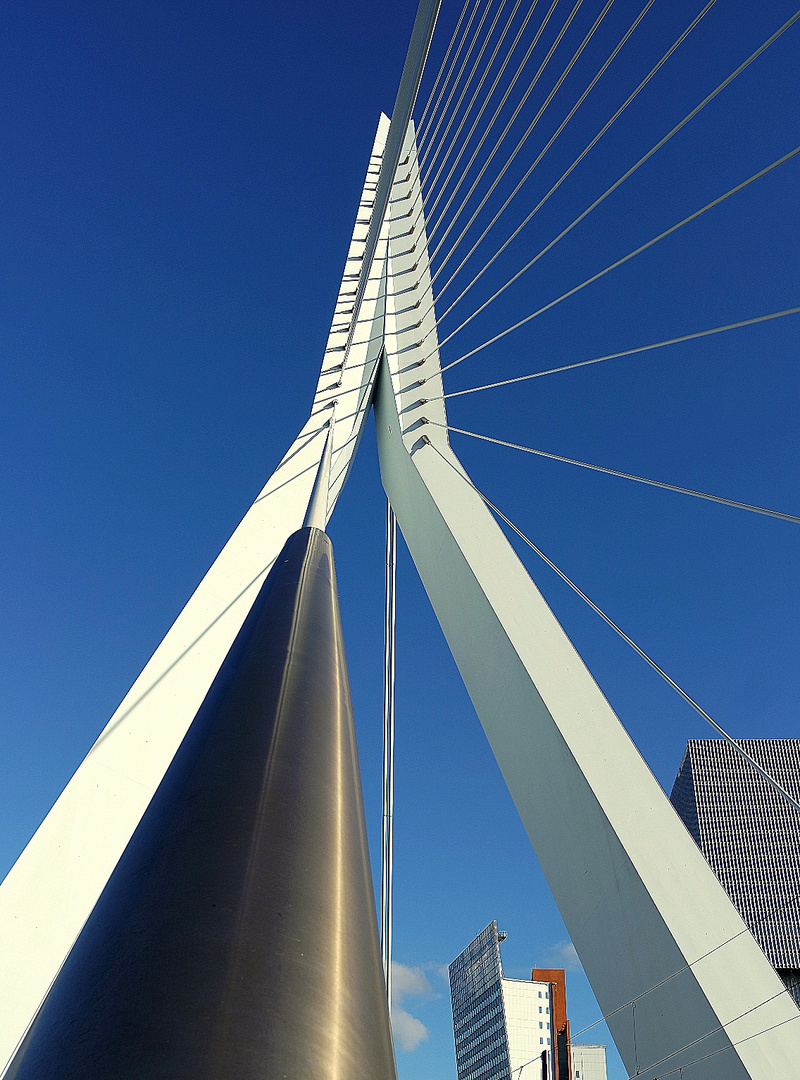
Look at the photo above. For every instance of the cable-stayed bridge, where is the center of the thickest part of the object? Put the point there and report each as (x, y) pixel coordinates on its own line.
(540, 710)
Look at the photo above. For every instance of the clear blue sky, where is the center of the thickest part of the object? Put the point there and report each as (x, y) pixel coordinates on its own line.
(178, 187)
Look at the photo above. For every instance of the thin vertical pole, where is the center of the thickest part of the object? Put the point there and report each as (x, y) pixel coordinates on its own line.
(387, 838)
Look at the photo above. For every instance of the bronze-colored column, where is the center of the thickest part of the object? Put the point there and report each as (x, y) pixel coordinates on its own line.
(237, 937)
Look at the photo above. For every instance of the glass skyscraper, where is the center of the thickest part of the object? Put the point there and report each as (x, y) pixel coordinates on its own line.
(750, 836)
(479, 1022)
(512, 1029)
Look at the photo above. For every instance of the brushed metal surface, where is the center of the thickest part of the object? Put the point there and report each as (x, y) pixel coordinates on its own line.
(237, 938)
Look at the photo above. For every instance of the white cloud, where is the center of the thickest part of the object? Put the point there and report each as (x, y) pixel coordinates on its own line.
(560, 955)
(407, 982)
(408, 1031)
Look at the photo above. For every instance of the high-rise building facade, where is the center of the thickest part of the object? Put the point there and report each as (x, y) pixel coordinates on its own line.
(588, 1062)
(511, 1029)
(476, 994)
(750, 836)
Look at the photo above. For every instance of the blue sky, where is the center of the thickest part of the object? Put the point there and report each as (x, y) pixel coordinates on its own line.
(178, 190)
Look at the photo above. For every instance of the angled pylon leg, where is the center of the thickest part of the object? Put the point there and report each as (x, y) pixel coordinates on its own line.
(237, 936)
(638, 898)
(50, 891)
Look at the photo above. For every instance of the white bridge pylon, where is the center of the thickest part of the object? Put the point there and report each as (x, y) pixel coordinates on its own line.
(669, 959)
(50, 891)
(651, 924)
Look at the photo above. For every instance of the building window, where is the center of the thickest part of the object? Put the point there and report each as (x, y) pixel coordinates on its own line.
(541, 1042)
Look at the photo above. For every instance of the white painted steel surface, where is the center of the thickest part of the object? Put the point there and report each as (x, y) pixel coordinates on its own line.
(418, 46)
(317, 513)
(638, 899)
(50, 891)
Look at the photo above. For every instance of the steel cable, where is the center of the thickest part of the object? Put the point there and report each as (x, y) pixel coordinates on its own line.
(578, 160)
(497, 111)
(689, 116)
(443, 63)
(695, 1061)
(487, 98)
(425, 128)
(688, 967)
(539, 157)
(457, 78)
(487, 68)
(714, 1031)
(454, 112)
(514, 116)
(624, 352)
(624, 475)
(607, 618)
(522, 141)
(531, 168)
(601, 273)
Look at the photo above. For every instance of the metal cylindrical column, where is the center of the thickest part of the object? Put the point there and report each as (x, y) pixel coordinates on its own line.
(237, 937)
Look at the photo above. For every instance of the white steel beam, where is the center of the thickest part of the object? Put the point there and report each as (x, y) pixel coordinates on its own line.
(50, 891)
(638, 898)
